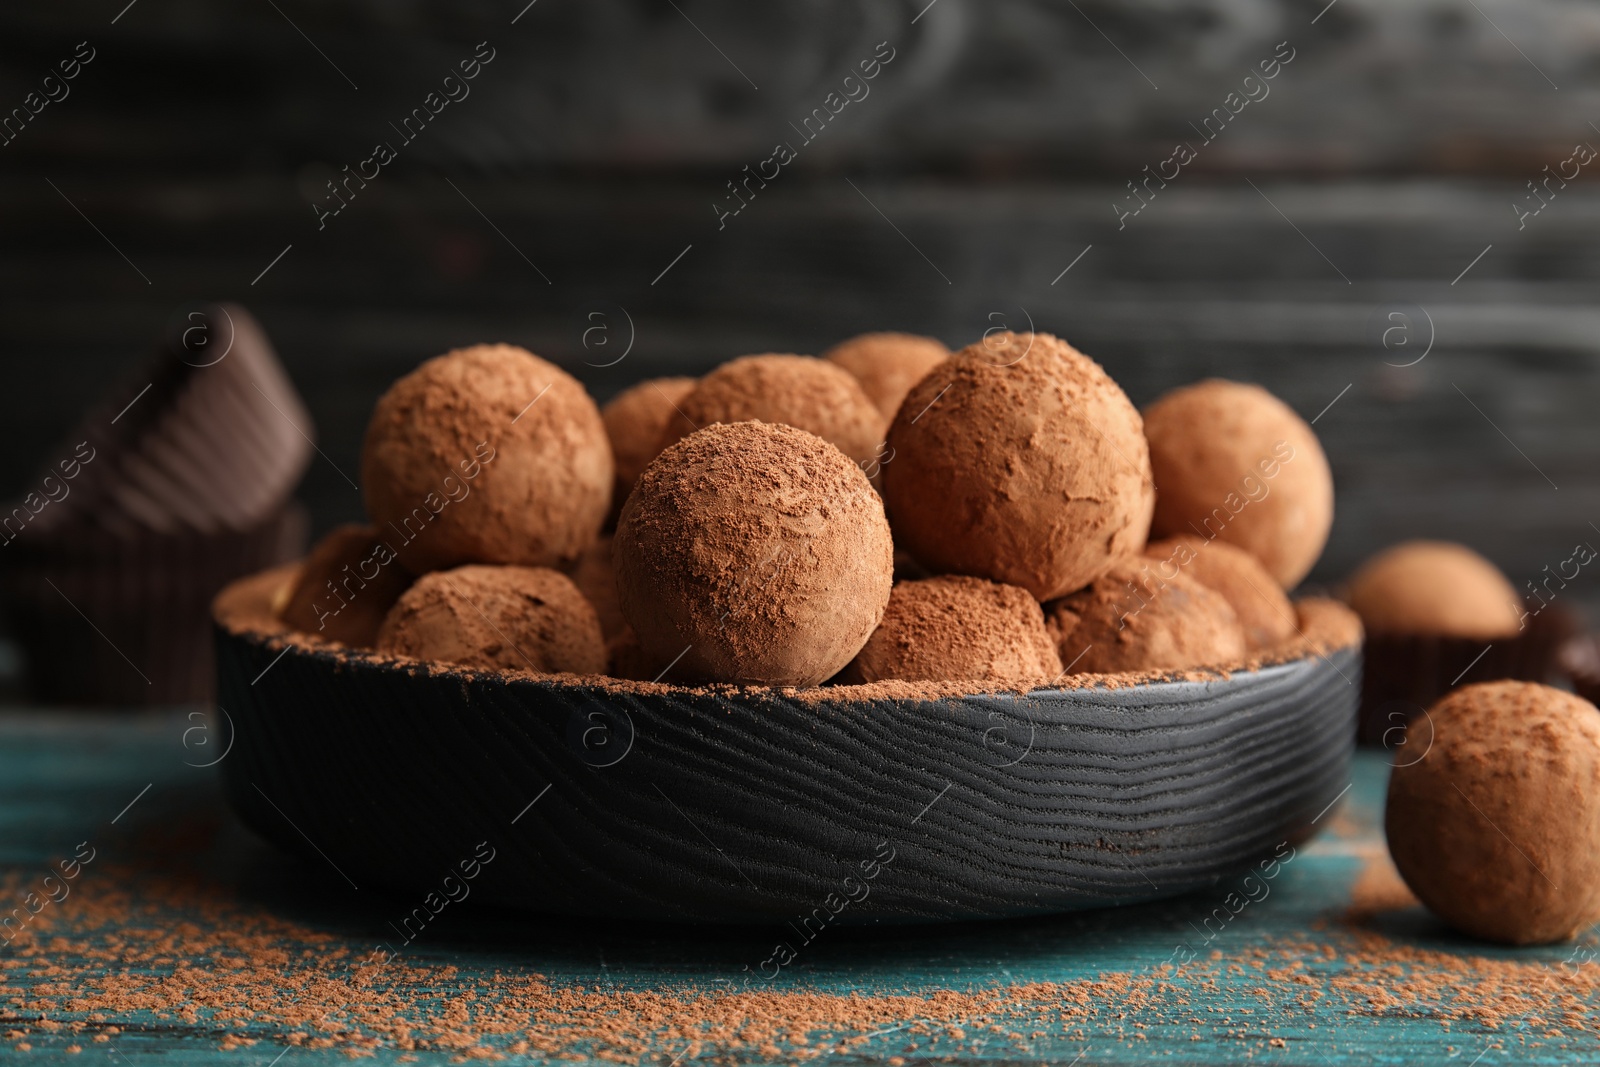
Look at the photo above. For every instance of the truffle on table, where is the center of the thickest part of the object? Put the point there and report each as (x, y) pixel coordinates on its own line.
(1131, 619)
(636, 419)
(1019, 460)
(1234, 463)
(753, 553)
(1264, 611)
(497, 618)
(888, 364)
(487, 455)
(956, 628)
(347, 585)
(1495, 827)
(1437, 588)
(801, 391)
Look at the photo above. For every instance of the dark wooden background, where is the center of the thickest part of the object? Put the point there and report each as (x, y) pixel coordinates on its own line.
(986, 158)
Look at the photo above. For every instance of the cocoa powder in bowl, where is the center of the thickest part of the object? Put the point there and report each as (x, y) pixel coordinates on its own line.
(955, 628)
(888, 364)
(753, 553)
(1255, 596)
(497, 618)
(800, 391)
(348, 584)
(1497, 827)
(1020, 460)
(1133, 620)
(487, 455)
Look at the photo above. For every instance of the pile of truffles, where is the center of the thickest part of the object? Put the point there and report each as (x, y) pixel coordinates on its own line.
(758, 518)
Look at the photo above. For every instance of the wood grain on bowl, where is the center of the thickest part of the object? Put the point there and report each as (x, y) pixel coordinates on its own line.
(605, 800)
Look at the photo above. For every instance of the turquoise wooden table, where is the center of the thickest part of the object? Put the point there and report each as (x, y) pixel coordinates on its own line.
(139, 923)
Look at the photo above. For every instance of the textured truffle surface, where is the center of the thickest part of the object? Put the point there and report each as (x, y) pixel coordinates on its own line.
(888, 364)
(348, 584)
(1434, 587)
(1497, 828)
(955, 628)
(801, 391)
(754, 553)
(1255, 596)
(596, 578)
(1019, 460)
(636, 420)
(1235, 463)
(1132, 620)
(487, 455)
(497, 618)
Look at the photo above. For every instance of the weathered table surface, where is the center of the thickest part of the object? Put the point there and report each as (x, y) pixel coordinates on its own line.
(1288, 977)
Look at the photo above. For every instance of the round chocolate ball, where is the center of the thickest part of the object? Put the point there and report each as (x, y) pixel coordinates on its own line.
(888, 364)
(800, 391)
(497, 618)
(1234, 463)
(1497, 827)
(1264, 611)
(1434, 587)
(596, 578)
(1133, 619)
(955, 628)
(348, 584)
(1019, 460)
(636, 419)
(753, 553)
(487, 455)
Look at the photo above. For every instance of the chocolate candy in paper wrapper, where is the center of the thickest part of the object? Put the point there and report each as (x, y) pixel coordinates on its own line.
(178, 483)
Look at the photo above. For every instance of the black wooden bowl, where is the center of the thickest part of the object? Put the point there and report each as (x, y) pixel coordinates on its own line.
(758, 805)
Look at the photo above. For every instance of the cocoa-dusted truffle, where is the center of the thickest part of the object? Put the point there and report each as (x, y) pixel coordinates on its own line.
(800, 391)
(754, 553)
(1018, 459)
(1496, 827)
(487, 455)
(957, 629)
(1133, 620)
(636, 419)
(1437, 588)
(1255, 596)
(497, 618)
(888, 364)
(1235, 463)
(348, 584)
(596, 578)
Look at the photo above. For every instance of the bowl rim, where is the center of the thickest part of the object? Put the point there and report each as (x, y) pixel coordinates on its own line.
(247, 608)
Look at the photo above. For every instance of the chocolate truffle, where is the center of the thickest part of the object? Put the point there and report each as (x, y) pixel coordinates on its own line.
(958, 629)
(596, 578)
(1497, 828)
(800, 391)
(487, 455)
(1234, 463)
(1131, 619)
(888, 364)
(1255, 596)
(753, 553)
(636, 419)
(497, 618)
(348, 584)
(1018, 459)
(1437, 588)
